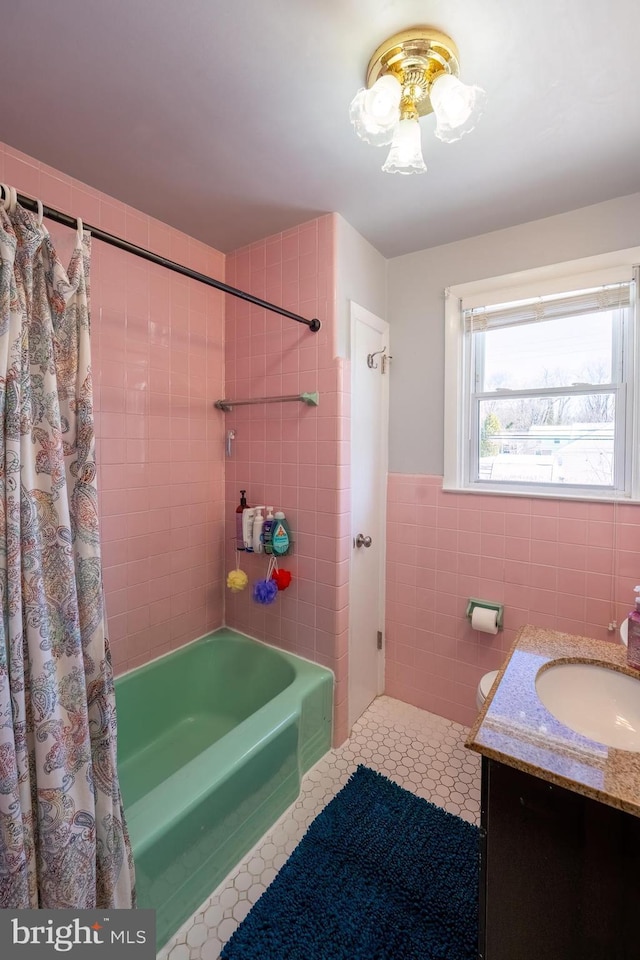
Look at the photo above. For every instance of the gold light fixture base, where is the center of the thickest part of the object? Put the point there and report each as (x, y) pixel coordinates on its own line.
(415, 57)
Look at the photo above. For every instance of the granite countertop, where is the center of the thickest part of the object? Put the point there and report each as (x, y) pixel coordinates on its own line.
(515, 728)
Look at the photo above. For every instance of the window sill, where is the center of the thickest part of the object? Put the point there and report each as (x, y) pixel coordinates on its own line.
(539, 494)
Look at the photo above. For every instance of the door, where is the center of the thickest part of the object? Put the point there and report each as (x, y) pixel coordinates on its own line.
(369, 458)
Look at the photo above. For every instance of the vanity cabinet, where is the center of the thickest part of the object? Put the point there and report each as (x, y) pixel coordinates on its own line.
(559, 872)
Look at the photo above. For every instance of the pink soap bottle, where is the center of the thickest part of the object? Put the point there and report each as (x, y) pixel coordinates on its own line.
(633, 634)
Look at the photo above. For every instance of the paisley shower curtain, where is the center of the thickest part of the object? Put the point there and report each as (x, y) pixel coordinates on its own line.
(63, 837)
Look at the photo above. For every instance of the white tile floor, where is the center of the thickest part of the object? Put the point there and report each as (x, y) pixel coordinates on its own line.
(417, 750)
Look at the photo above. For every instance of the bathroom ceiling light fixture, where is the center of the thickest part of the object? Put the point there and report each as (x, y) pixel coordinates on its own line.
(410, 75)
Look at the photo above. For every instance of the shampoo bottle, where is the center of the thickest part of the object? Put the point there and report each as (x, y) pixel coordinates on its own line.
(242, 506)
(258, 522)
(633, 634)
(267, 528)
(280, 536)
(247, 528)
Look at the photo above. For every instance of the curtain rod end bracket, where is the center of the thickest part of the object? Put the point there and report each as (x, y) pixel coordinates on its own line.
(315, 325)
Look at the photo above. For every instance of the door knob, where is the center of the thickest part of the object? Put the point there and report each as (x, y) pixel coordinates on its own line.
(362, 541)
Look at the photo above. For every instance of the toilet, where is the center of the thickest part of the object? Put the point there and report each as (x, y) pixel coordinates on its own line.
(484, 687)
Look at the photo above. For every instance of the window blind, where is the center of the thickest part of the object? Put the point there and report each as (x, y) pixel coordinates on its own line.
(614, 296)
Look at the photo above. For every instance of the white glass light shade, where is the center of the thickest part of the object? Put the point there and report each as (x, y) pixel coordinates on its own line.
(457, 106)
(383, 99)
(374, 112)
(405, 155)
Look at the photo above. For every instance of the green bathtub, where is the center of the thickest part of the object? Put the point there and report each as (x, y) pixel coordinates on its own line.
(212, 742)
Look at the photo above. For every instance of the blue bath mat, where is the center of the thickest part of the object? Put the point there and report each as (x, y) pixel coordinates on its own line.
(380, 875)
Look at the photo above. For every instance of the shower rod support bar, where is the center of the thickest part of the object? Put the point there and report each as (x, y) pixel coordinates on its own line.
(311, 399)
(58, 217)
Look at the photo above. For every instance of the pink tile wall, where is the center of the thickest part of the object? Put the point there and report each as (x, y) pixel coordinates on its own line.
(157, 352)
(289, 455)
(570, 565)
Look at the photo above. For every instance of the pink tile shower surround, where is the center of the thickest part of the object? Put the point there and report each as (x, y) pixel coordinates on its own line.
(158, 365)
(158, 351)
(288, 455)
(567, 565)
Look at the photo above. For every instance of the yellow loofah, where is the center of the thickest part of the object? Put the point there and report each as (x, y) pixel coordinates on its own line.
(237, 580)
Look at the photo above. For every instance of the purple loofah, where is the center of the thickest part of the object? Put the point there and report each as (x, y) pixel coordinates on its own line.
(264, 591)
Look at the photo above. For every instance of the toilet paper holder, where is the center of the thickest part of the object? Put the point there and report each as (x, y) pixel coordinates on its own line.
(487, 605)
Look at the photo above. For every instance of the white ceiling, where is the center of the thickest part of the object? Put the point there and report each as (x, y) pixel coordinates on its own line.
(229, 120)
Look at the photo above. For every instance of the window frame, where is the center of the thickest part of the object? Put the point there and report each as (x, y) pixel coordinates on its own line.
(459, 427)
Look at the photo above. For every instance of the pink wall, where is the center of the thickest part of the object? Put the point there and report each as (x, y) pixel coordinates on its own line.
(289, 455)
(569, 565)
(157, 351)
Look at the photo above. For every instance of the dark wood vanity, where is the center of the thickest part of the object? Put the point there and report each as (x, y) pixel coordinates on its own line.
(560, 820)
(559, 872)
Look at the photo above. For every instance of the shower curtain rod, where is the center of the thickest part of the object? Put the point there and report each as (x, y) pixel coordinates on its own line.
(58, 217)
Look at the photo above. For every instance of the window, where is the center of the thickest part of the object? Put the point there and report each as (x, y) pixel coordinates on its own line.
(539, 384)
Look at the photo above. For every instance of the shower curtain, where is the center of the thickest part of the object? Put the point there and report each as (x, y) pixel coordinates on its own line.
(63, 837)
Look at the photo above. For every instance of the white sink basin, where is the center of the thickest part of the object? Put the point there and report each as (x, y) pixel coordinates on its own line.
(600, 703)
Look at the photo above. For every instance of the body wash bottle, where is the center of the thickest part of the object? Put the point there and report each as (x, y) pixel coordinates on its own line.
(242, 506)
(247, 528)
(258, 522)
(633, 634)
(280, 535)
(267, 527)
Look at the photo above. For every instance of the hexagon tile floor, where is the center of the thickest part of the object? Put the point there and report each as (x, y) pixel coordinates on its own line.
(417, 750)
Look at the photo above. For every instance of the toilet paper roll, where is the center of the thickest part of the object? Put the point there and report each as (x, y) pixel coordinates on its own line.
(484, 620)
